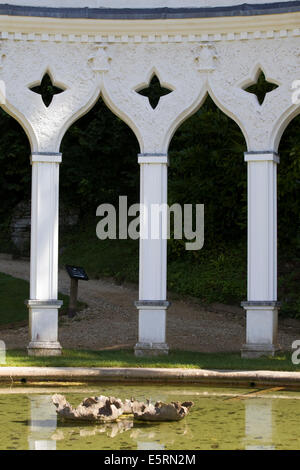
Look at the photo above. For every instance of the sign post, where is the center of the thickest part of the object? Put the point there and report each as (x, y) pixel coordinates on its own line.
(76, 274)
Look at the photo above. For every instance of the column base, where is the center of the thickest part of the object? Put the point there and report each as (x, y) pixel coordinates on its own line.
(262, 326)
(151, 349)
(44, 348)
(252, 351)
(43, 328)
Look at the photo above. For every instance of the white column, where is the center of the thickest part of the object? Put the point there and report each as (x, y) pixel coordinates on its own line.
(152, 304)
(43, 304)
(262, 305)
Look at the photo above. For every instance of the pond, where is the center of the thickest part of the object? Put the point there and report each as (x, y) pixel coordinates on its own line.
(222, 418)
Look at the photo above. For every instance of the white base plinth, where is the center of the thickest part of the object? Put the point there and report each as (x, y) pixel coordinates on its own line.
(262, 325)
(151, 349)
(44, 348)
(152, 328)
(252, 351)
(43, 328)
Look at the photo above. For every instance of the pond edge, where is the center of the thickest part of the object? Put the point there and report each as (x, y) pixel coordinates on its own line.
(150, 375)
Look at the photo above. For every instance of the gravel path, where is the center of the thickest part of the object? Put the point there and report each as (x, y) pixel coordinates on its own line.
(111, 320)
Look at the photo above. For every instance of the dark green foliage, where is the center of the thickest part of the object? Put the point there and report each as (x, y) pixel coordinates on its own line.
(15, 174)
(207, 167)
(99, 161)
(289, 190)
(261, 87)
(154, 91)
(47, 90)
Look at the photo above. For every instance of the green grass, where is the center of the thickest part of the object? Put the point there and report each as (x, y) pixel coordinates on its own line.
(13, 293)
(126, 358)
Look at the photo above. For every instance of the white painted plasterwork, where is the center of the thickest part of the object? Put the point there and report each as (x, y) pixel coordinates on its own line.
(190, 70)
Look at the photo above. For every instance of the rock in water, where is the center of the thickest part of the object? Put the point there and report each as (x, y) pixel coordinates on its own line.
(93, 409)
(174, 411)
(108, 409)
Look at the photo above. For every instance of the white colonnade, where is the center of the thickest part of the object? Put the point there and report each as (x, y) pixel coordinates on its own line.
(114, 53)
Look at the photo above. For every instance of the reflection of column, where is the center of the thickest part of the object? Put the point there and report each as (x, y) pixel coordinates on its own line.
(43, 423)
(258, 424)
(150, 446)
(262, 305)
(152, 304)
(43, 304)
(147, 440)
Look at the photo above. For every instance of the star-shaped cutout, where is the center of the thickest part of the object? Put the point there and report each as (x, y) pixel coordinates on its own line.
(154, 91)
(47, 90)
(261, 87)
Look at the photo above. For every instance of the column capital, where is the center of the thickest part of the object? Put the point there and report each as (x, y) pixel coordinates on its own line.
(154, 158)
(43, 303)
(262, 156)
(260, 304)
(46, 157)
(152, 304)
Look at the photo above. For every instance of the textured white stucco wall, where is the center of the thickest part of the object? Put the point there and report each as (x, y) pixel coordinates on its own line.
(134, 3)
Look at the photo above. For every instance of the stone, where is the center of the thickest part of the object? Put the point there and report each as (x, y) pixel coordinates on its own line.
(174, 411)
(95, 409)
(109, 409)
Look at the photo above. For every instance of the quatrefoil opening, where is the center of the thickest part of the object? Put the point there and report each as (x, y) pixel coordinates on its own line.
(47, 89)
(154, 91)
(261, 87)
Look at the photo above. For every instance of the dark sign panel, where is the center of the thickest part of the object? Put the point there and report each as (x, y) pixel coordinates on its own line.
(75, 272)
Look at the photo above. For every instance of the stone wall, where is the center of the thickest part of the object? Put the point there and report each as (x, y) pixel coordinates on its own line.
(21, 221)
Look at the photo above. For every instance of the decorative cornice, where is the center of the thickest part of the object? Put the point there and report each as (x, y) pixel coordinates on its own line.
(190, 30)
(147, 38)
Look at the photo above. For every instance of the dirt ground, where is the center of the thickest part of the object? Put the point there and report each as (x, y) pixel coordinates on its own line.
(111, 320)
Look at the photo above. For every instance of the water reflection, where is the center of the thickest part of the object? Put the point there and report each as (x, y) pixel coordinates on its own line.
(147, 439)
(259, 424)
(45, 431)
(109, 429)
(215, 422)
(43, 422)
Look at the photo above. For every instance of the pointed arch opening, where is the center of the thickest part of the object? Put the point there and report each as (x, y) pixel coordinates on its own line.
(15, 187)
(289, 220)
(207, 167)
(99, 165)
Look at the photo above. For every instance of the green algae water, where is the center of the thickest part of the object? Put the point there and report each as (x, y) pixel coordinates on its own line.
(222, 418)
